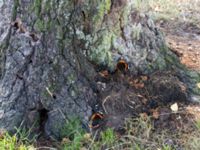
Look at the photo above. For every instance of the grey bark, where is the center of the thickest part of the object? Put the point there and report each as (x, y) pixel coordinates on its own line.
(49, 60)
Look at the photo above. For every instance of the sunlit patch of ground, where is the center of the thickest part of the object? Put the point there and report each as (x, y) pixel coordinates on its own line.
(182, 34)
(195, 111)
(180, 22)
(187, 49)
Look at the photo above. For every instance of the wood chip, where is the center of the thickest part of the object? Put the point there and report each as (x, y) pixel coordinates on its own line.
(174, 107)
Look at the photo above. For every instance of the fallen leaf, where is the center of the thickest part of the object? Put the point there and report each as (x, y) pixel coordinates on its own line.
(140, 96)
(183, 87)
(87, 136)
(104, 73)
(156, 114)
(174, 107)
(144, 116)
(65, 141)
(136, 81)
(139, 85)
(29, 147)
(144, 78)
(144, 101)
(198, 85)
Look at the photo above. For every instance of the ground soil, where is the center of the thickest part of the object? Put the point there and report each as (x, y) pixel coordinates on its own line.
(184, 41)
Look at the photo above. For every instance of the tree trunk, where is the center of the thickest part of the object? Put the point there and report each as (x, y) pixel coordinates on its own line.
(52, 52)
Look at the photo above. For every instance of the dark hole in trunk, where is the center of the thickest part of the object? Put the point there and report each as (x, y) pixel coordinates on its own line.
(122, 66)
(43, 115)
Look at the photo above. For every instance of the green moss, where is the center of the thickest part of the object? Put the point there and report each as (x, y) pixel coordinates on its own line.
(40, 25)
(60, 33)
(71, 78)
(137, 29)
(107, 5)
(194, 75)
(38, 7)
(116, 45)
(73, 91)
(195, 79)
(170, 58)
(196, 90)
(160, 63)
(14, 11)
(43, 26)
(100, 53)
(50, 24)
(47, 6)
(125, 14)
(103, 7)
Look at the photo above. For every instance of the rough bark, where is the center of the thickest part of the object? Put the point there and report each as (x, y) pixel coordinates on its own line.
(51, 51)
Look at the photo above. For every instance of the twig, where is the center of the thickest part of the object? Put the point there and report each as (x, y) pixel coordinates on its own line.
(103, 103)
(113, 147)
(45, 147)
(139, 139)
(93, 140)
(49, 92)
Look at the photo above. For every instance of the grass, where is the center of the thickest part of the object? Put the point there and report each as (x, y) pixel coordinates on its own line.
(197, 124)
(139, 135)
(73, 135)
(21, 140)
(76, 138)
(194, 139)
(194, 143)
(183, 10)
(107, 140)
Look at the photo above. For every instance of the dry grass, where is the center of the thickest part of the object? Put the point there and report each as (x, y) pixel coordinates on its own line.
(139, 134)
(183, 10)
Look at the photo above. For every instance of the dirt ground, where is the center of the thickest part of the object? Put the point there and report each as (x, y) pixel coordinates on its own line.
(184, 41)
